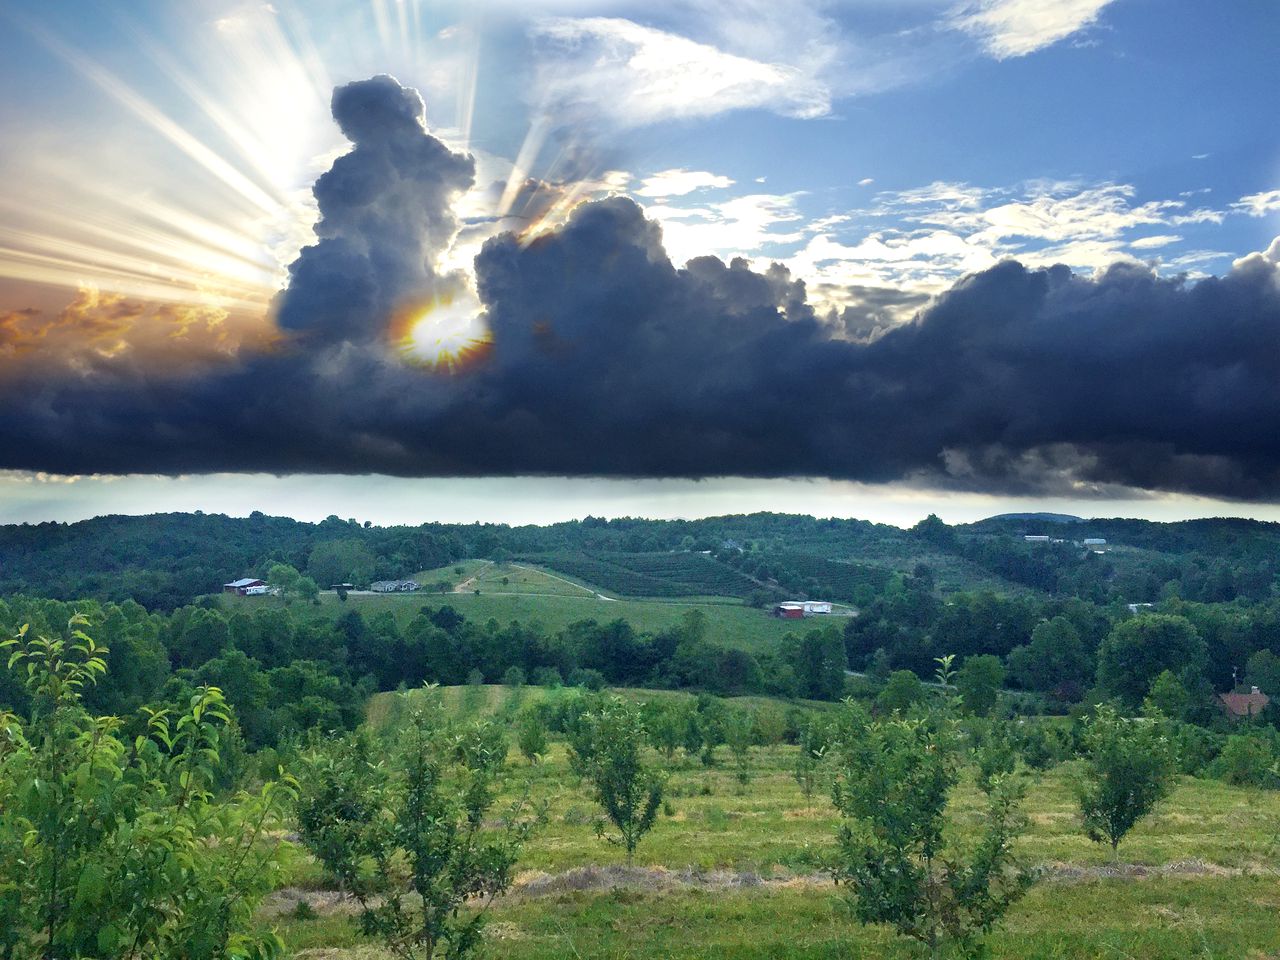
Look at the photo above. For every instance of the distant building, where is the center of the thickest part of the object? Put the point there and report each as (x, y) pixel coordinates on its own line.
(394, 586)
(1244, 704)
(795, 609)
(242, 586)
(1035, 539)
(1135, 607)
(257, 590)
(1096, 544)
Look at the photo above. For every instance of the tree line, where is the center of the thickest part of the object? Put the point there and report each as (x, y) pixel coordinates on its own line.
(168, 560)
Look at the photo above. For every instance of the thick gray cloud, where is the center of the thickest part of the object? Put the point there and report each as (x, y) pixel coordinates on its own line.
(607, 360)
(386, 215)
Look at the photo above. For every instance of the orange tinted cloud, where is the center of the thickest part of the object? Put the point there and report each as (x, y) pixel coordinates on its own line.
(104, 326)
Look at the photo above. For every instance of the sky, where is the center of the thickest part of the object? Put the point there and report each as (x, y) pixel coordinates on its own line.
(411, 261)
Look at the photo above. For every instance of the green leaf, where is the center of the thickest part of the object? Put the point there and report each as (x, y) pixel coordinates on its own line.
(110, 939)
(92, 884)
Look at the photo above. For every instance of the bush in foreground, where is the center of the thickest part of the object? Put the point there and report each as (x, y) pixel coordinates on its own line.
(893, 783)
(409, 838)
(1129, 768)
(116, 849)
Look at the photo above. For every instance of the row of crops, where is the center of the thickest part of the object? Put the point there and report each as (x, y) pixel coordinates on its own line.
(650, 574)
(815, 577)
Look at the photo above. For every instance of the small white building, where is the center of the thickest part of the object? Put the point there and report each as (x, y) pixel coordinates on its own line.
(261, 590)
(394, 586)
(1095, 543)
(812, 607)
(1035, 539)
(243, 585)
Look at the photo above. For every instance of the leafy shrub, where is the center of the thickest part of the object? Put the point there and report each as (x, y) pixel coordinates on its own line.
(409, 837)
(1129, 768)
(1246, 761)
(893, 785)
(116, 848)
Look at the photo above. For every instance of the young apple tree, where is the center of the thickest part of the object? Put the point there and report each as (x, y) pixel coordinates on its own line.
(893, 785)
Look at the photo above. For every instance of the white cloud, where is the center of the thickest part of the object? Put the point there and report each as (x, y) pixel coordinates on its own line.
(1154, 242)
(1259, 204)
(866, 181)
(634, 75)
(1015, 28)
(1038, 212)
(1097, 212)
(741, 226)
(926, 261)
(950, 195)
(677, 182)
(923, 239)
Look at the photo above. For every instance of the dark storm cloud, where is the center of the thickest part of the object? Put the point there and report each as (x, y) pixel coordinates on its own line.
(386, 214)
(608, 360)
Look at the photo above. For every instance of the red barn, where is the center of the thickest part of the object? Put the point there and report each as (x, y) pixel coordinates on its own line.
(789, 610)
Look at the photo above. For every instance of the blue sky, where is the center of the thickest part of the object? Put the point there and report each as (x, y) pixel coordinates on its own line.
(160, 156)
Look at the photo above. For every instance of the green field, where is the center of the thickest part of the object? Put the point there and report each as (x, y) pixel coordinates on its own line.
(734, 872)
(729, 622)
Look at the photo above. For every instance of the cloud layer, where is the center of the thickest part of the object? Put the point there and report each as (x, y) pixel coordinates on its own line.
(608, 360)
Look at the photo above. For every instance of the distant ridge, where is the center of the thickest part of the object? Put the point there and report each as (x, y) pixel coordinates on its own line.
(1048, 517)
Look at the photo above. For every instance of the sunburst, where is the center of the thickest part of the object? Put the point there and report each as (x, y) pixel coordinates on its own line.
(446, 333)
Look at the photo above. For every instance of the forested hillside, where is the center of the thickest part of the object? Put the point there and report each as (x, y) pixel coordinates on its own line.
(167, 560)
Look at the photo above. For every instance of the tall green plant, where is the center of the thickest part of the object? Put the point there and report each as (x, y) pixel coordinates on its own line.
(409, 837)
(627, 790)
(739, 731)
(807, 768)
(893, 783)
(531, 735)
(120, 849)
(1129, 768)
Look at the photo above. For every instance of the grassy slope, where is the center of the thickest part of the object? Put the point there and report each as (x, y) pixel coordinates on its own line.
(728, 621)
(1226, 911)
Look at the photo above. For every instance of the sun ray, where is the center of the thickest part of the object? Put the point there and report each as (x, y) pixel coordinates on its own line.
(468, 82)
(539, 128)
(140, 106)
(51, 269)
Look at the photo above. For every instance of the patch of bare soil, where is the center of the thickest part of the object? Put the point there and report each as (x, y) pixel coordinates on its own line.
(322, 902)
(534, 884)
(1075, 872)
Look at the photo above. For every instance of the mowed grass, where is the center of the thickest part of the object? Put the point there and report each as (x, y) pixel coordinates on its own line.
(529, 579)
(728, 622)
(452, 574)
(1204, 884)
(1174, 919)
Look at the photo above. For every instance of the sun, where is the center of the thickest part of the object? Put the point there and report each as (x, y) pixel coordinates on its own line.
(446, 333)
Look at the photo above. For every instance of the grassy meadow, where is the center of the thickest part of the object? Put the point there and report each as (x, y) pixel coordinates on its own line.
(532, 594)
(734, 871)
